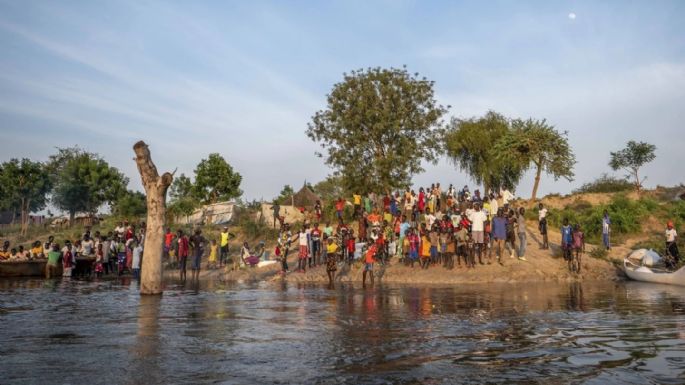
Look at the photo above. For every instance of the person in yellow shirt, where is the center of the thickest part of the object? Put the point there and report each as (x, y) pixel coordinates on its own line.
(37, 250)
(213, 250)
(357, 201)
(331, 260)
(224, 247)
(425, 250)
(5, 251)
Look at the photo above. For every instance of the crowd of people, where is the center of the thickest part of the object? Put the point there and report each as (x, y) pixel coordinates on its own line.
(452, 228)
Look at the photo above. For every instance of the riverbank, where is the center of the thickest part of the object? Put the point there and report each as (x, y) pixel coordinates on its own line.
(540, 266)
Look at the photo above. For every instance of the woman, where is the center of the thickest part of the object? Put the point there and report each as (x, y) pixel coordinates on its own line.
(331, 260)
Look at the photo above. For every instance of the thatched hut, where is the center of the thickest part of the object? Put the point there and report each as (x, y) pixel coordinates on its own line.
(303, 198)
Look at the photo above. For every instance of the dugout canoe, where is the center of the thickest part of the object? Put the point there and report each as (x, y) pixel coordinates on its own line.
(36, 267)
(646, 274)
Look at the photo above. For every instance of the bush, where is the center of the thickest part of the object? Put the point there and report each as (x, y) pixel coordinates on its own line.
(605, 184)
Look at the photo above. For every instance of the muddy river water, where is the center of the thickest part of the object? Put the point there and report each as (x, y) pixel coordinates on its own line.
(90, 332)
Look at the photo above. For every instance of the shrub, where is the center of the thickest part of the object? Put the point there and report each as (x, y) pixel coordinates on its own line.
(605, 184)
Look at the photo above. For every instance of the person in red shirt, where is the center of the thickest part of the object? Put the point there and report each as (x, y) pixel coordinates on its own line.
(350, 247)
(369, 260)
(315, 236)
(168, 239)
(339, 207)
(182, 253)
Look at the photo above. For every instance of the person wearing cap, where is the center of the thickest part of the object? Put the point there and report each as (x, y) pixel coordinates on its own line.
(671, 245)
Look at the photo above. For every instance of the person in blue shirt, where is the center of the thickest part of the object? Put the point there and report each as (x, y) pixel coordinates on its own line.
(499, 233)
(566, 239)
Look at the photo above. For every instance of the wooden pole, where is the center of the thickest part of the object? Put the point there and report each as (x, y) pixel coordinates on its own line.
(155, 191)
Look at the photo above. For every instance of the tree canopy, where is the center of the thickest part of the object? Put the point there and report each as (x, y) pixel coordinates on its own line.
(25, 187)
(537, 143)
(377, 127)
(131, 204)
(216, 181)
(283, 197)
(631, 158)
(469, 143)
(84, 181)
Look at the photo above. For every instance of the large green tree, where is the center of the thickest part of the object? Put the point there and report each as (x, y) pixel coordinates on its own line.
(131, 204)
(216, 181)
(537, 144)
(631, 158)
(285, 195)
(25, 187)
(469, 143)
(84, 181)
(182, 199)
(378, 125)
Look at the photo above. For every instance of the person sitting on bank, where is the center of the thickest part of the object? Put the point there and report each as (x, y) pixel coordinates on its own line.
(5, 251)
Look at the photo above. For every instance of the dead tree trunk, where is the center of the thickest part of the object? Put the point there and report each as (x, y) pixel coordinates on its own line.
(155, 191)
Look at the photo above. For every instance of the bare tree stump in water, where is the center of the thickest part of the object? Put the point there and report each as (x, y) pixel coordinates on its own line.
(155, 191)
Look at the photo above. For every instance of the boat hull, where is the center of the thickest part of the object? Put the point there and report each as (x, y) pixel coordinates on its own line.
(674, 278)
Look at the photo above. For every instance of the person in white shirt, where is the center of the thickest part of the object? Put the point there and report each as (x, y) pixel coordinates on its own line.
(507, 196)
(671, 245)
(478, 219)
(430, 219)
(494, 205)
(87, 246)
(542, 225)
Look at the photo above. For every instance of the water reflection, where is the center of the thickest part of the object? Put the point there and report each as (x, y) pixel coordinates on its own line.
(214, 332)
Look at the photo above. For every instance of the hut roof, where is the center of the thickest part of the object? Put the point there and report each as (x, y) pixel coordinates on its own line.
(304, 197)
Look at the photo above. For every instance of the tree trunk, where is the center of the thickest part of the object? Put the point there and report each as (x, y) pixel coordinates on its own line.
(155, 191)
(72, 215)
(537, 182)
(24, 216)
(638, 185)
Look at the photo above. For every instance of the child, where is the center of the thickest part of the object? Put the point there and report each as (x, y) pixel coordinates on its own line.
(578, 243)
(566, 240)
(542, 225)
(99, 259)
(461, 239)
(426, 249)
(445, 255)
(350, 247)
(304, 250)
(331, 260)
(369, 261)
(434, 238)
(413, 246)
(213, 250)
(68, 260)
(136, 257)
(281, 257)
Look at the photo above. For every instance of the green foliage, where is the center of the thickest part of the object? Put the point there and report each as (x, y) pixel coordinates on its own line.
(330, 189)
(536, 143)
(378, 126)
(216, 181)
(599, 253)
(181, 187)
(25, 186)
(84, 181)
(469, 143)
(283, 197)
(604, 184)
(631, 158)
(131, 204)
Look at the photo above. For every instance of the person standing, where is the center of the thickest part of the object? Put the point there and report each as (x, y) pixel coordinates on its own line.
(224, 246)
(521, 230)
(499, 232)
(357, 201)
(137, 256)
(542, 225)
(304, 250)
(315, 258)
(53, 259)
(671, 245)
(182, 253)
(331, 260)
(369, 260)
(276, 208)
(197, 241)
(168, 239)
(68, 260)
(606, 230)
(478, 219)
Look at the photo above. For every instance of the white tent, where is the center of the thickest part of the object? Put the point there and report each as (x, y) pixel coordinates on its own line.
(214, 214)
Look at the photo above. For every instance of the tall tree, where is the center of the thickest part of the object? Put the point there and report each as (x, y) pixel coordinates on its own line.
(216, 181)
(182, 199)
(631, 158)
(84, 181)
(469, 143)
(26, 185)
(182, 187)
(538, 144)
(378, 126)
(285, 195)
(330, 189)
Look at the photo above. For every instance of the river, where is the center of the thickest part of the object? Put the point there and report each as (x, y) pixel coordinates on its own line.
(90, 332)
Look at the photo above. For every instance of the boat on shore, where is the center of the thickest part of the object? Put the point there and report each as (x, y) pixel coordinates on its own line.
(636, 269)
(36, 267)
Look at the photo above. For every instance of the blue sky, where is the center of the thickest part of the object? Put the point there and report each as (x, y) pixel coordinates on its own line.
(243, 78)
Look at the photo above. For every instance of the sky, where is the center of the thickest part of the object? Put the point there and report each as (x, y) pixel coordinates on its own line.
(243, 78)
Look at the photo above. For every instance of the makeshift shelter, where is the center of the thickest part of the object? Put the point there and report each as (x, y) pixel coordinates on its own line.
(214, 214)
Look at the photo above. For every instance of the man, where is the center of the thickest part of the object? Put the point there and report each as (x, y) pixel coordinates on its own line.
(499, 232)
(507, 196)
(671, 245)
(606, 230)
(404, 228)
(168, 239)
(357, 201)
(521, 229)
(542, 225)
(53, 259)
(369, 260)
(277, 212)
(339, 207)
(197, 241)
(478, 219)
(223, 244)
(137, 258)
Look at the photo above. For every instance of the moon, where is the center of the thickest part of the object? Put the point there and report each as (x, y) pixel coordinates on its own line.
(572, 16)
